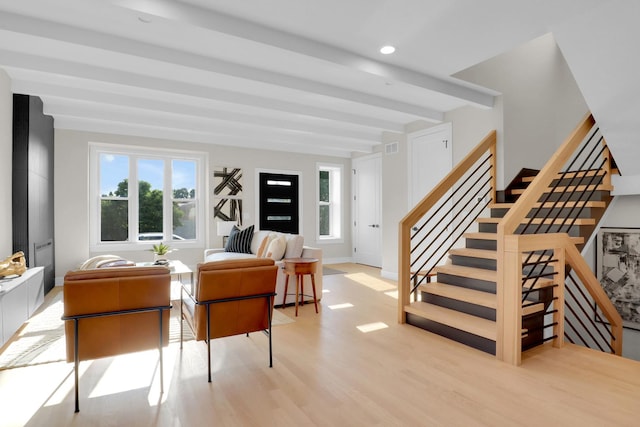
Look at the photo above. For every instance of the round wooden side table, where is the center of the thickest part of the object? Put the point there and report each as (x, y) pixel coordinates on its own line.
(299, 267)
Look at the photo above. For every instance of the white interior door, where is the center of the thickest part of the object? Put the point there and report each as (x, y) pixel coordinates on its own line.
(430, 160)
(367, 212)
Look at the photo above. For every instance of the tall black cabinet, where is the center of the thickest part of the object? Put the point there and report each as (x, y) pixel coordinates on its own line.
(33, 185)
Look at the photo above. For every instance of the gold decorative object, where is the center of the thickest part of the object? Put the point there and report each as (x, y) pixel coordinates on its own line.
(14, 264)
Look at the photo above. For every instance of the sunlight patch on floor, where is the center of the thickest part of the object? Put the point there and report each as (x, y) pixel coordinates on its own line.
(392, 294)
(128, 372)
(370, 282)
(66, 388)
(370, 327)
(326, 291)
(339, 306)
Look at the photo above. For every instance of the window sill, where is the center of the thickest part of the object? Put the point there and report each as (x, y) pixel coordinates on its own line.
(329, 240)
(143, 246)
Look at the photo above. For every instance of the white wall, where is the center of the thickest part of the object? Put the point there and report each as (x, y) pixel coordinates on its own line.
(6, 149)
(541, 102)
(395, 199)
(71, 192)
(471, 125)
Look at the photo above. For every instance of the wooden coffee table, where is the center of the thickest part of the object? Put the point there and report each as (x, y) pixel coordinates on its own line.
(298, 267)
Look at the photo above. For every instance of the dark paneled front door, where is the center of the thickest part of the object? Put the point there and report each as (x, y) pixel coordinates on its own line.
(279, 202)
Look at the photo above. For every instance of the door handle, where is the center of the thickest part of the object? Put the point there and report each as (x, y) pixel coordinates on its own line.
(372, 225)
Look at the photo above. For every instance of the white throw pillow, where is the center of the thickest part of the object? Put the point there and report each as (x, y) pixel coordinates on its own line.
(295, 244)
(276, 248)
(94, 261)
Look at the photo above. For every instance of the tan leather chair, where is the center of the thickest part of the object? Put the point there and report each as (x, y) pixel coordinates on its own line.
(111, 311)
(230, 297)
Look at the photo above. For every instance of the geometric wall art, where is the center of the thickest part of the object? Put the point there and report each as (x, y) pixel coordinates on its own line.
(227, 194)
(227, 182)
(228, 210)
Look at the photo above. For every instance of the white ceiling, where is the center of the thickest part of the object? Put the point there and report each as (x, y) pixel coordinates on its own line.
(290, 75)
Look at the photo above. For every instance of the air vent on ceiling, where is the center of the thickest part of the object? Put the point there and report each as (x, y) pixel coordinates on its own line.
(391, 148)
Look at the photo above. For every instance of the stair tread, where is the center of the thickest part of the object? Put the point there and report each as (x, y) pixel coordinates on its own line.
(486, 275)
(480, 236)
(475, 253)
(494, 236)
(531, 309)
(470, 272)
(549, 205)
(460, 293)
(537, 284)
(462, 321)
(558, 221)
(480, 253)
(569, 175)
(570, 188)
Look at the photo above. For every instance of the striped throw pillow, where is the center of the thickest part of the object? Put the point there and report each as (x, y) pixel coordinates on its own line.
(240, 240)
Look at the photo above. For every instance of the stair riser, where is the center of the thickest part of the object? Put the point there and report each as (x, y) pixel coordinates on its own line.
(579, 180)
(578, 195)
(466, 282)
(481, 244)
(558, 212)
(454, 334)
(571, 231)
(487, 264)
(498, 212)
(537, 270)
(461, 306)
(533, 324)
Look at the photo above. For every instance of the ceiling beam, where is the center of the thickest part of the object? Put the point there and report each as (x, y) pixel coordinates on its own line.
(14, 60)
(107, 127)
(127, 116)
(223, 23)
(36, 27)
(55, 94)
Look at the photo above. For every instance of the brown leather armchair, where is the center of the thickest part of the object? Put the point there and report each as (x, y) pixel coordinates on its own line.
(230, 297)
(111, 311)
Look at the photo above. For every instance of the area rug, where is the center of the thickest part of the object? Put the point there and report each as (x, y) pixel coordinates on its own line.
(327, 271)
(42, 339)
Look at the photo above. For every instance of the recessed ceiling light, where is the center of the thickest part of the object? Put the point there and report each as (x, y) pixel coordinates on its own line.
(387, 50)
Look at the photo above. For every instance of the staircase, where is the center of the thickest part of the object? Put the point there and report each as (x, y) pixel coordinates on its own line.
(513, 285)
(461, 304)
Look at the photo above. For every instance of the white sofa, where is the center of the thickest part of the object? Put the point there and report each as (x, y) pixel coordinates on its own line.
(292, 251)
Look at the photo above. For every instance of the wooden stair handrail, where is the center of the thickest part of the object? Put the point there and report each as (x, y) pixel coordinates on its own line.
(583, 271)
(505, 343)
(414, 215)
(542, 181)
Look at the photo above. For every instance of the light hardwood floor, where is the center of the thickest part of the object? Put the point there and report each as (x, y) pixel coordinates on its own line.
(350, 365)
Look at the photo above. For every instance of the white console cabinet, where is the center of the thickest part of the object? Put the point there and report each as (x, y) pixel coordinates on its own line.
(19, 298)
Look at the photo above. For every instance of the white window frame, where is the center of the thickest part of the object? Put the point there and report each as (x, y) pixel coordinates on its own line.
(336, 180)
(201, 159)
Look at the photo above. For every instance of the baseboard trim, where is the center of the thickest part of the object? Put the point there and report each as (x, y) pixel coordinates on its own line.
(391, 275)
(336, 260)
